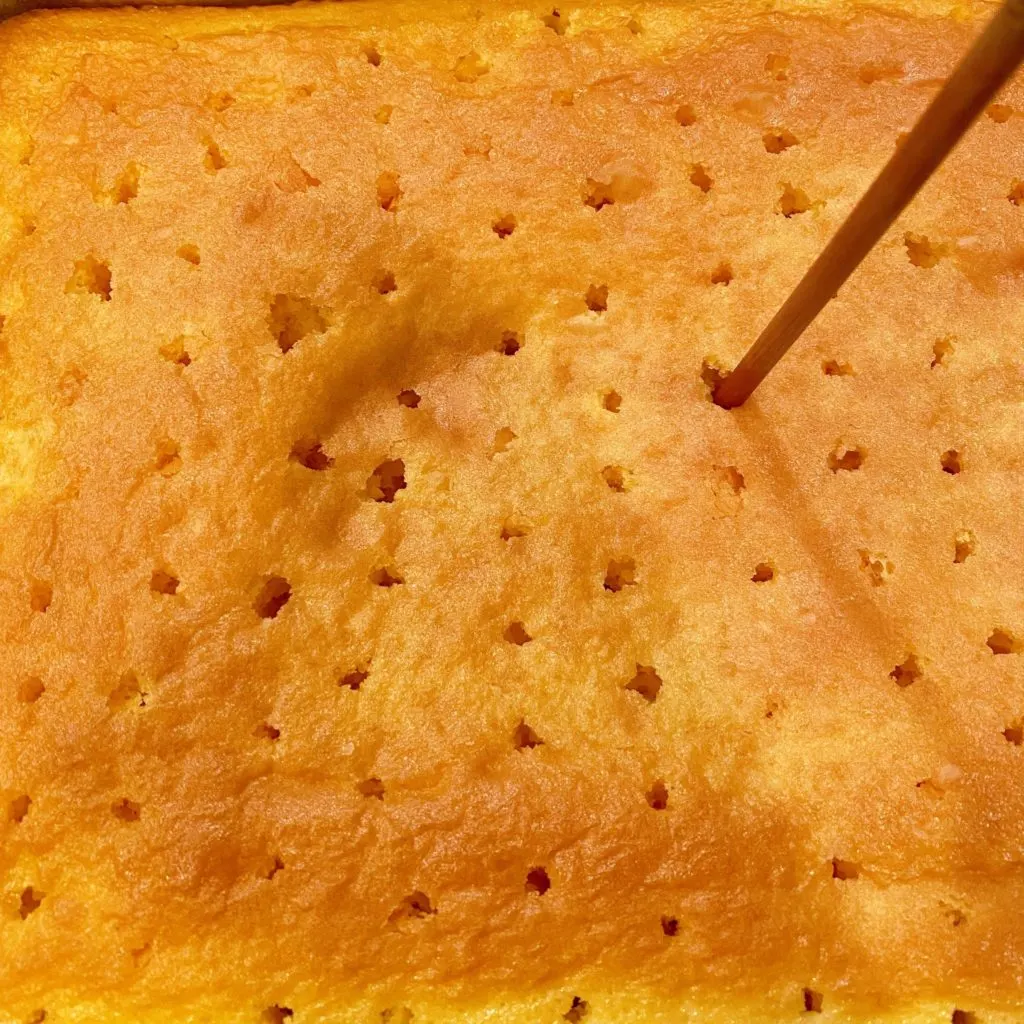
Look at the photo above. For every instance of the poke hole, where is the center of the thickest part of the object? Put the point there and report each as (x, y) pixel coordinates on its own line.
(1001, 641)
(30, 901)
(685, 115)
(504, 226)
(577, 1010)
(126, 810)
(879, 71)
(402, 1015)
(537, 881)
(91, 277)
(941, 351)
(372, 788)
(964, 1017)
(836, 368)
(951, 462)
(277, 1014)
(274, 865)
(354, 679)
(387, 576)
(17, 809)
(266, 731)
(907, 672)
(163, 582)
(612, 401)
(634, 26)
(921, 252)
(513, 528)
(408, 399)
(763, 573)
(616, 479)
(999, 112)
(963, 546)
(218, 102)
(273, 596)
(722, 274)
(1013, 733)
(524, 737)
(730, 479)
(556, 21)
(127, 693)
(621, 573)
(620, 188)
(384, 112)
(214, 159)
(778, 140)
(189, 253)
(597, 298)
(1016, 193)
(793, 201)
(388, 191)
(503, 438)
(845, 870)
(415, 906)
(372, 55)
(40, 596)
(878, 567)
(470, 67)
(712, 375)
(646, 682)
(515, 633)
(657, 796)
(846, 460)
(812, 1001)
(168, 458)
(699, 176)
(36, 1017)
(386, 481)
(292, 318)
(510, 343)
(777, 64)
(310, 454)
(384, 282)
(670, 926)
(175, 352)
(126, 185)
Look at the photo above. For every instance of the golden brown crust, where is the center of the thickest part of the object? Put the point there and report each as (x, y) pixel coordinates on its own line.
(389, 622)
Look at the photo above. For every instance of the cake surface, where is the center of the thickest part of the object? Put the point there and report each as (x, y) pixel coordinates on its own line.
(391, 629)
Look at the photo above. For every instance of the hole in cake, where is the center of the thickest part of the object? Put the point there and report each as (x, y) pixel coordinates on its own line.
(310, 454)
(999, 112)
(846, 460)
(272, 866)
(670, 926)
(616, 479)
(513, 528)
(214, 159)
(562, 98)
(907, 672)
(712, 375)
(276, 1014)
(556, 21)
(777, 65)
(408, 399)
(845, 870)
(388, 191)
(515, 633)
(577, 1010)
(40, 595)
(524, 738)
(90, 277)
(127, 693)
(273, 596)
(504, 226)
(168, 458)
(699, 176)
(1016, 193)
(877, 566)
(371, 55)
(126, 185)
(218, 102)
(163, 582)
(835, 368)
(503, 438)
(30, 901)
(126, 810)
(1002, 641)
(386, 481)
(189, 253)
(175, 352)
(963, 546)
(597, 298)
(878, 71)
(17, 809)
(951, 462)
(729, 480)
(266, 731)
(812, 1001)
(387, 576)
(537, 881)
(941, 351)
(509, 344)
(921, 252)
(612, 401)
(646, 682)
(36, 1017)
(372, 788)
(355, 678)
(778, 140)
(763, 573)
(470, 67)
(620, 188)
(621, 573)
(685, 115)
(384, 282)
(634, 26)
(945, 778)
(414, 907)
(722, 274)
(383, 114)
(292, 318)
(1013, 733)
(964, 1017)
(30, 690)
(657, 795)
(399, 1015)
(793, 201)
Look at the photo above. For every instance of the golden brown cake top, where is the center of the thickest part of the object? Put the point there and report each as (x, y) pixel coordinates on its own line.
(391, 628)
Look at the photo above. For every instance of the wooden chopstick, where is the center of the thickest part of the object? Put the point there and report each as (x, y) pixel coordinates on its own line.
(993, 58)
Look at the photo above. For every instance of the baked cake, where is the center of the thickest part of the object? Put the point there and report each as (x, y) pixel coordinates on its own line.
(392, 629)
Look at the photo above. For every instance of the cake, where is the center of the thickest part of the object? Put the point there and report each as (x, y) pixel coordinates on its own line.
(391, 626)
